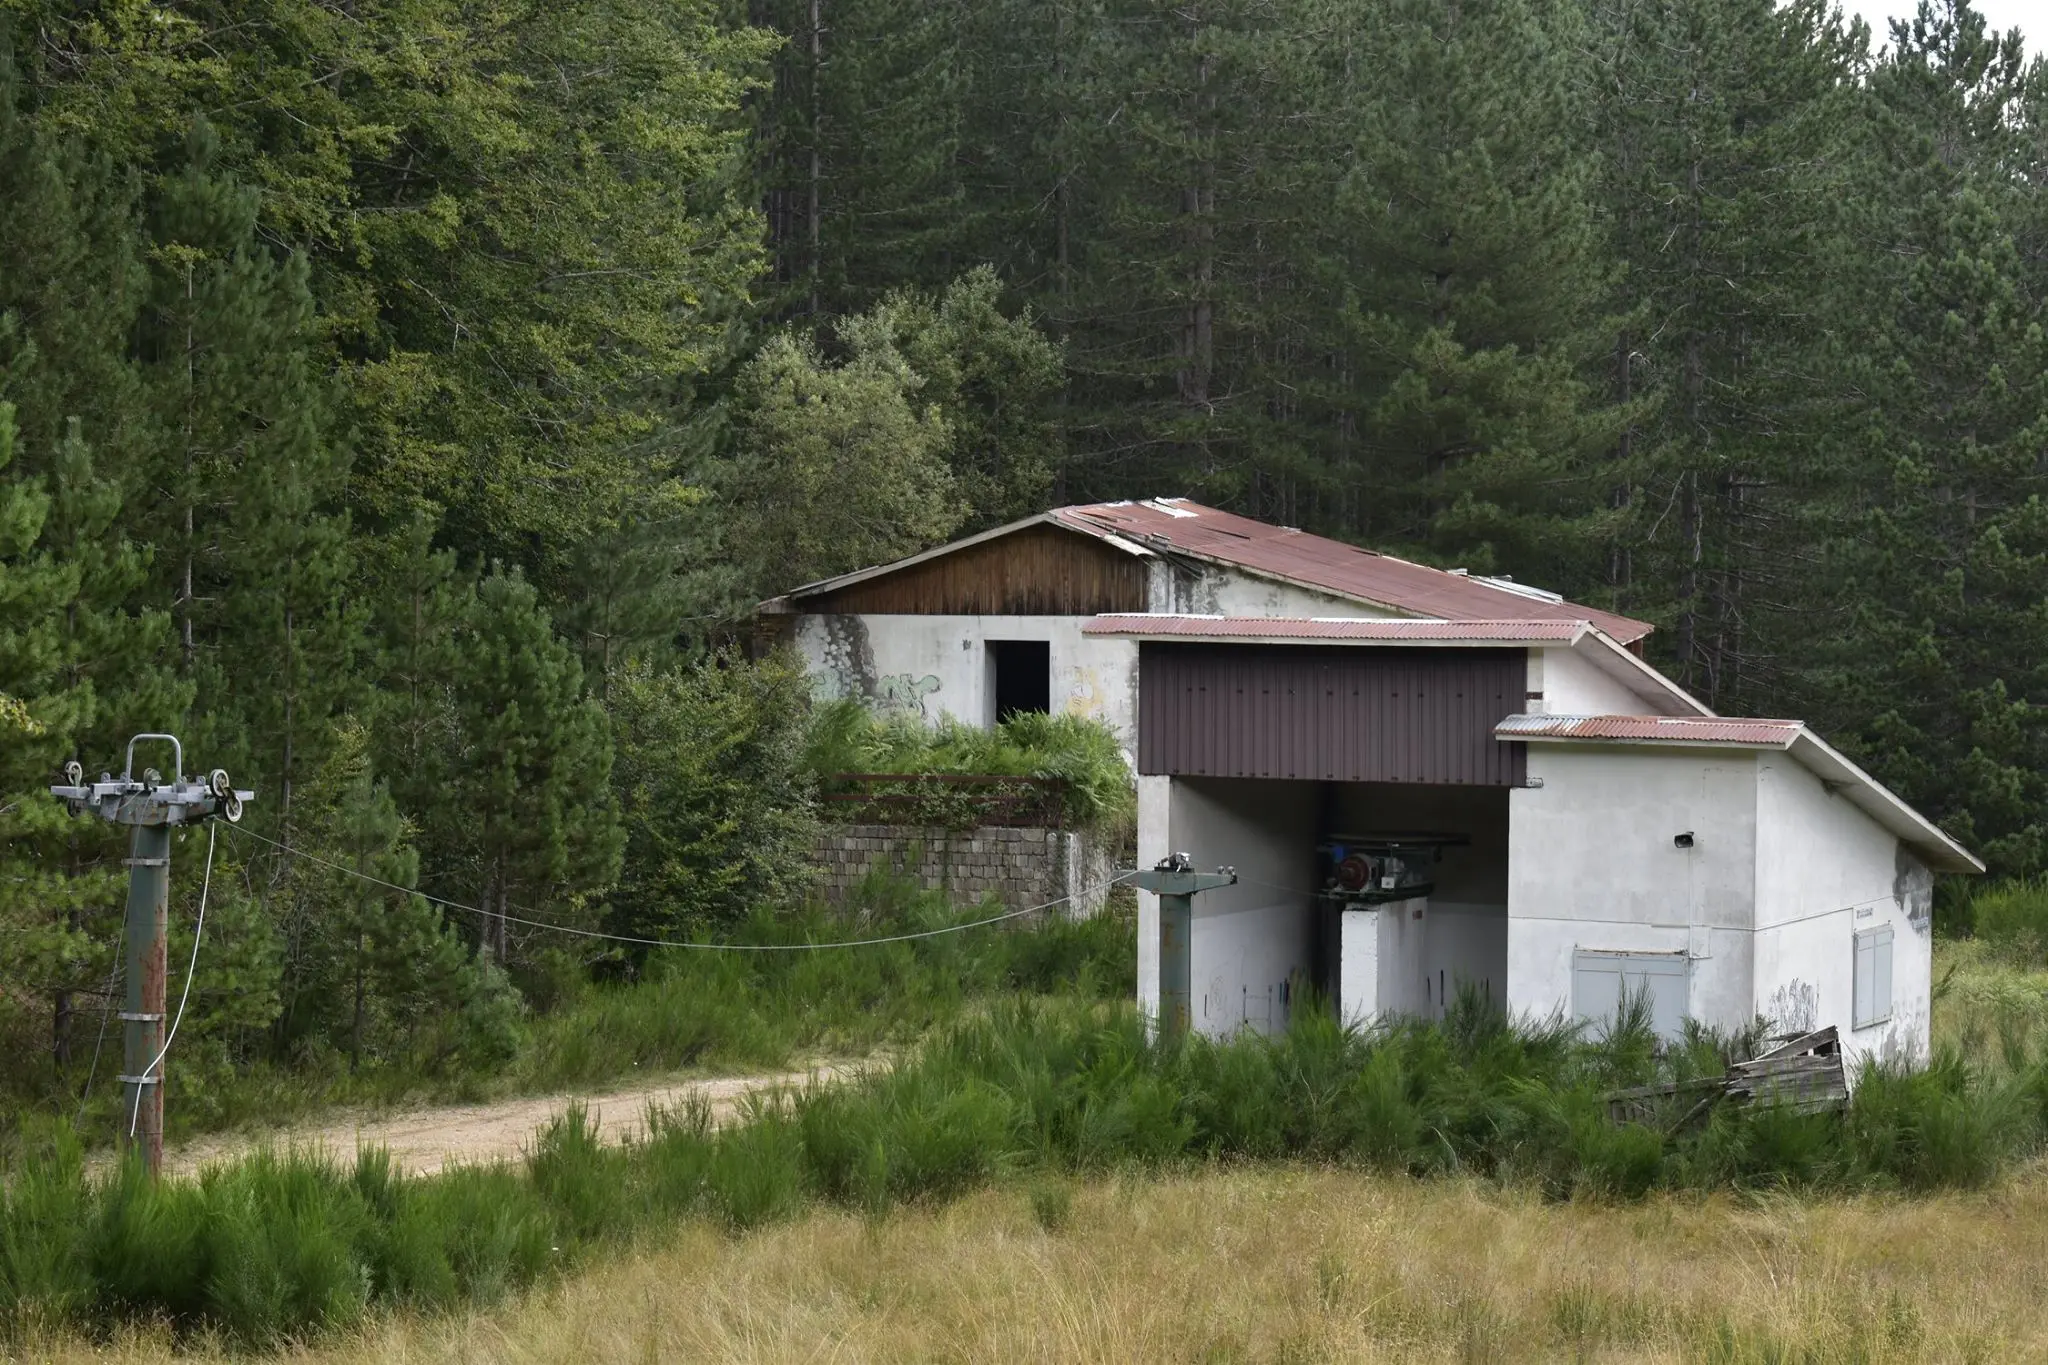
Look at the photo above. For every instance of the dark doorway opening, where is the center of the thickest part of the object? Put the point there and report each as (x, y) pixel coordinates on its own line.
(1022, 676)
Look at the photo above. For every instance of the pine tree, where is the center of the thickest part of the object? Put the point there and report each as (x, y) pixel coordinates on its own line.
(1728, 127)
(713, 793)
(87, 668)
(39, 908)
(531, 782)
(252, 529)
(1187, 301)
(369, 968)
(1937, 563)
(420, 601)
(629, 597)
(863, 183)
(1476, 282)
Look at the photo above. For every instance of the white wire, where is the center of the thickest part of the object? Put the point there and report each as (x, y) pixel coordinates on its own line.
(191, 970)
(678, 943)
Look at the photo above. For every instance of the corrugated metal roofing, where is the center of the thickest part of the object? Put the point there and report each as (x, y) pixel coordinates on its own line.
(1762, 734)
(1280, 628)
(1177, 525)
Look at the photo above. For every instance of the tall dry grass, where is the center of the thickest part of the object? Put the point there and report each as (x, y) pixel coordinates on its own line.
(1989, 1006)
(273, 1249)
(1281, 1265)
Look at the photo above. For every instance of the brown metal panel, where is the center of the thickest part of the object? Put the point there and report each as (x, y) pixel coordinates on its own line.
(1036, 571)
(1315, 713)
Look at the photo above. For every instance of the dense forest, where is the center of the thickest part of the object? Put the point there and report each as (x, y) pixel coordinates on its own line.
(405, 401)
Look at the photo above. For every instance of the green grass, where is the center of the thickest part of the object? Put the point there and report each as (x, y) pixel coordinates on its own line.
(1987, 1007)
(274, 1247)
(753, 1010)
(685, 1010)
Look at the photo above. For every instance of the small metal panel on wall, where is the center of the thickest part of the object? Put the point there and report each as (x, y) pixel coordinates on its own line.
(1330, 714)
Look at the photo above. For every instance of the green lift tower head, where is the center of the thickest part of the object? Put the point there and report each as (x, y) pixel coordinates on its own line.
(1176, 883)
(149, 806)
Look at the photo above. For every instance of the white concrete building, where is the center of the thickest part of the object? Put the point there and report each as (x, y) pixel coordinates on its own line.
(1427, 781)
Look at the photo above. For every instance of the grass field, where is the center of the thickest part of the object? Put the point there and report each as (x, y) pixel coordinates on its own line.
(1039, 1180)
(1987, 1007)
(686, 1013)
(1283, 1264)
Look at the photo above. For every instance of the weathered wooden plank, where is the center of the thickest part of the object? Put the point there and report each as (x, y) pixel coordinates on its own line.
(1802, 1073)
(1035, 571)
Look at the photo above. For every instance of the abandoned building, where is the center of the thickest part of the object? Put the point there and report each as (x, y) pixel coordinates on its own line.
(1427, 781)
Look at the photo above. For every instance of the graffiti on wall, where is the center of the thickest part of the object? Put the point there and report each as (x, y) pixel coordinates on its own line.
(1085, 697)
(903, 694)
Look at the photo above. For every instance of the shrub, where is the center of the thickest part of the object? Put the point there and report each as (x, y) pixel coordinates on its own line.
(46, 1233)
(283, 1242)
(2012, 916)
(271, 1248)
(846, 736)
(756, 1171)
(716, 800)
(1052, 1203)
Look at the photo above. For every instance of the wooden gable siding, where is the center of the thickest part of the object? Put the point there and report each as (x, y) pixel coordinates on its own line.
(1037, 571)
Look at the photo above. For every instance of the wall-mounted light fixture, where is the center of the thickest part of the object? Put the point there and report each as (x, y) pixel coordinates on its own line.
(1682, 840)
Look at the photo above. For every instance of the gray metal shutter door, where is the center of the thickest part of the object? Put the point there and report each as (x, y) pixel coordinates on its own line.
(1881, 970)
(1599, 980)
(1866, 982)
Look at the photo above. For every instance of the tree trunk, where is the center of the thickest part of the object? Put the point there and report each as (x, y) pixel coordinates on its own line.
(1620, 564)
(817, 135)
(355, 1025)
(60, 1030)
(291, 692)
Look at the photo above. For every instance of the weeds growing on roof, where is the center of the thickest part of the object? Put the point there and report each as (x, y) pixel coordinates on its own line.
(274, 1247)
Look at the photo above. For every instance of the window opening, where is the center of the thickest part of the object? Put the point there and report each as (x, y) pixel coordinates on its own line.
(1022, 677)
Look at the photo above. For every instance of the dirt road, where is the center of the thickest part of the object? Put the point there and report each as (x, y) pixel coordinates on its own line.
(424, 1140)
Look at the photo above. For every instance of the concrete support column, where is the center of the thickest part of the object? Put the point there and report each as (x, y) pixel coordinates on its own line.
(1154, 843)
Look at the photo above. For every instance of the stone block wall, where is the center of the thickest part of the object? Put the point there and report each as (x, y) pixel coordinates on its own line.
(1021, 867)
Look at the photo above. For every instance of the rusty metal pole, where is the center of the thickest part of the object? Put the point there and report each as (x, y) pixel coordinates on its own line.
(150, 806)
(1176, 883)
(149, 906)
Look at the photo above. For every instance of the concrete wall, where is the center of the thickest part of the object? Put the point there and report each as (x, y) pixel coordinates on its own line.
(1155, 832)
(1019, 867)
(1571, 685)
(1250, 940)
(1380, 958)
(1592, 865)
(1825, 871)
(1209, 590)
(937, 666)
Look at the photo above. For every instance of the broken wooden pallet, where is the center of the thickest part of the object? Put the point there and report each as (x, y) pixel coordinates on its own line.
(1804, 1073)
(1801, 1071)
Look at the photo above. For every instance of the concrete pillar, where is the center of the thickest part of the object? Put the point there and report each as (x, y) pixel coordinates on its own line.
(1379, 961)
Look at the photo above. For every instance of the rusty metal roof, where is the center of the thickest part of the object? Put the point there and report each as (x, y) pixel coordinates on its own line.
(1176, 525)
(1758, 734)
(1327, 628)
